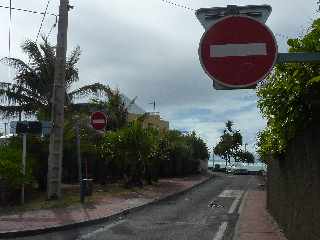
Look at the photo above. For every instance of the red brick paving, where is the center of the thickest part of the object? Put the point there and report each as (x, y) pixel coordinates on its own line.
(255, 223)
(40, 219)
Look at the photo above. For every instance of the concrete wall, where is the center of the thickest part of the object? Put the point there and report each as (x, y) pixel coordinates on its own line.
(294, 186)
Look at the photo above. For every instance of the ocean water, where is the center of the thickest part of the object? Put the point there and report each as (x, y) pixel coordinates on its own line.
(251, 167)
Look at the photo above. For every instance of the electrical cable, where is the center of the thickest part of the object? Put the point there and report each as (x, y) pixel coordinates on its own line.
(178, 5)
(42, 21)
(28, 11)
(53, 26)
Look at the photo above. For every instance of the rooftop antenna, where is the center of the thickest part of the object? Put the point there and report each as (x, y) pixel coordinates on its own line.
(154, 105)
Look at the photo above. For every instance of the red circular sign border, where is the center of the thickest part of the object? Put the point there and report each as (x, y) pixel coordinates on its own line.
(245, 85)
(105, 119)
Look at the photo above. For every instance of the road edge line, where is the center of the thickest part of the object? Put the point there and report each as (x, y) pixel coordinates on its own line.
(244, 197)
(222, 229)
(236, 229)
(235, 203)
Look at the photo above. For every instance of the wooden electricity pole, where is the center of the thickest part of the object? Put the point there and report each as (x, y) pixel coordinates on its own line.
(57, 114)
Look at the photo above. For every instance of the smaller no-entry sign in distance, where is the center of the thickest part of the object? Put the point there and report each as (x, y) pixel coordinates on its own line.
(238, 51)
(98, 120)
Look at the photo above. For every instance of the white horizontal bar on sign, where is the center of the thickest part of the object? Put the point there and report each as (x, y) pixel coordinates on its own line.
(98, 121)
(238, 50)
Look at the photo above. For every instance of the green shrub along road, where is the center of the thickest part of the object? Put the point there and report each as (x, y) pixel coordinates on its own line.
(133, 155)
(286, 98)
(126, 151)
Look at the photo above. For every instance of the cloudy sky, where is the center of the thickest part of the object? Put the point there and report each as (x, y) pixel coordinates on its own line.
(148, 48)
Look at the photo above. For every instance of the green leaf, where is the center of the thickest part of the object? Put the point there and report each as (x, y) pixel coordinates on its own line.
(314, 80)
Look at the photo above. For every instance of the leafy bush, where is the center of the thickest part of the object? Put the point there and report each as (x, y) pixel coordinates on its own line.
(285, 98)
(11, 167)
(131, 150)
(200, 149)
(145, 154)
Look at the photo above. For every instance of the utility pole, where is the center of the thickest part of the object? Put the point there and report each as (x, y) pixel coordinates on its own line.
(57, 114)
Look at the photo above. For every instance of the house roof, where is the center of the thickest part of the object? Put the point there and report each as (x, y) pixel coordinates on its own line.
(132, 108)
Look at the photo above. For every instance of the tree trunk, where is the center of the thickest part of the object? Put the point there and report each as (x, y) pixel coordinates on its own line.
(226, 164)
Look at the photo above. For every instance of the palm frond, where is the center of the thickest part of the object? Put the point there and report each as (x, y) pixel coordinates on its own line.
(32, 50)
(10, 111)
(33, 81)
(74, 57)
(14, 110)
(16, 63)
(17, 94)
(72, 72)
(96, 89)
(4, 85)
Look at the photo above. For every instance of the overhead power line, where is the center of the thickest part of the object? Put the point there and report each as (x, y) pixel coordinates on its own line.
(53, 26)
(42, 20)
(178, 5)
(29, 11)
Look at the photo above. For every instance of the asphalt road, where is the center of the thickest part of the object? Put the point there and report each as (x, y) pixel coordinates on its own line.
(209, 212)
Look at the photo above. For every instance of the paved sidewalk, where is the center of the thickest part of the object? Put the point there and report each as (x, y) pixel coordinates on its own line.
(106, 207)
(255, 223)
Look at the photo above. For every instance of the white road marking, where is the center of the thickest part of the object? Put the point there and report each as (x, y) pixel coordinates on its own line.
(222, 229)
(232, 194)
(234, 204)
(242, 203)
(238, 50)
(99, 230)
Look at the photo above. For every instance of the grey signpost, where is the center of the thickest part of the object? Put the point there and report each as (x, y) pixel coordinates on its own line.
(79, 161)
(209, 16)
(24, 155)
(25, 128)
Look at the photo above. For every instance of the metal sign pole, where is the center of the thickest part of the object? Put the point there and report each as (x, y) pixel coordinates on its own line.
(79, 161)
(24, 154)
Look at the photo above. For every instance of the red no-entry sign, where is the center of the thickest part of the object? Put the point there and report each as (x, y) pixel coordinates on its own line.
(98, 120)
(238, 51)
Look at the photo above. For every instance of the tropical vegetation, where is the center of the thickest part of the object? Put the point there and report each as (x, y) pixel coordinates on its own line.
(124, 152)
(287, 97)
(229, 146)
(31, 92)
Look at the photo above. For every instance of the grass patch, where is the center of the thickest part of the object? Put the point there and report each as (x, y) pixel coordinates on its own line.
(71, 197)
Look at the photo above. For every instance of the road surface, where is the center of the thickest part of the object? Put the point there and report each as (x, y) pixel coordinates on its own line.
(209, 212)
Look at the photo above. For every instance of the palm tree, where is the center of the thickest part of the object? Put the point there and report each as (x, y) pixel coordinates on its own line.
(31, 91)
